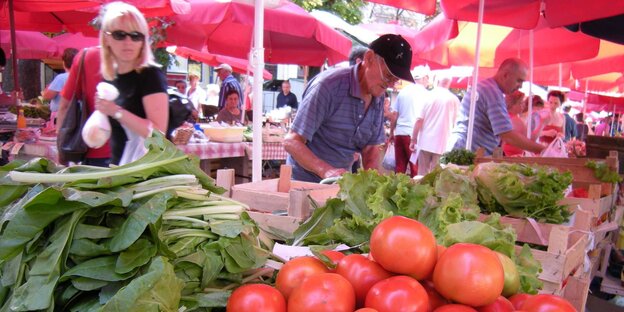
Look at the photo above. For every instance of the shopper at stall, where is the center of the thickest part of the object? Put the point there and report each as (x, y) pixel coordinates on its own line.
(52, 92)
(409, 102)
(434, 122)
(556, 126)
(231, 113)
(196, 94)
(491, 119)
(228, 82)
(341, 113)
(570, 124)
(181, 87)
(286, 98)
(86, 83)
(128, 64)
(582, 129)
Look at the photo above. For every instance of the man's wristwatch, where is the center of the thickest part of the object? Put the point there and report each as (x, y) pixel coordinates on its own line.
(118, 114)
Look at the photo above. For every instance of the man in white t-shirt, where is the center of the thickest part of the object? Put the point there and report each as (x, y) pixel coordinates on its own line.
(433, 126)
(408, 102)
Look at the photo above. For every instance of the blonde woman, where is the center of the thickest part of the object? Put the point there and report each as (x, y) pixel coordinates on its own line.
(128, 64)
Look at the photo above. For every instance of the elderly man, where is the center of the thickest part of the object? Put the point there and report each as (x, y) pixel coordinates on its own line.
(228, 82)
(491, 120)
(341, 113)
(286, 98)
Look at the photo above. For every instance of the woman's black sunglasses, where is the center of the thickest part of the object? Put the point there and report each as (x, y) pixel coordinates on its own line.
(121, 35)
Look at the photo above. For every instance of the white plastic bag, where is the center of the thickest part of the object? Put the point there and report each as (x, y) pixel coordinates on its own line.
(556, 148)
(389, 161)
(97, 129)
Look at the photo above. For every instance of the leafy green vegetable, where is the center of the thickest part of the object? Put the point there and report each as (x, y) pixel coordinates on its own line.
(460, 157)
(523, 191)
(602, 172)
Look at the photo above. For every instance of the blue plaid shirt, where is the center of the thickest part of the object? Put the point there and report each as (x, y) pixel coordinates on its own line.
(331, 117)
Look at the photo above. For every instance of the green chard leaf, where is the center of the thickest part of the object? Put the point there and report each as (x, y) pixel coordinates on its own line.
(137, 255)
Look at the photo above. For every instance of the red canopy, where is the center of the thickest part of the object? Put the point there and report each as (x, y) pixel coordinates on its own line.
(77, 41)
(390, 28)
(598, 102)
(238, 65)
(30, 44)
(525, 14)
(291, 35)
(499, 43)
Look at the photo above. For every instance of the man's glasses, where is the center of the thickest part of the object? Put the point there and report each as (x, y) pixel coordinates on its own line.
(121, 35)
(388, 78)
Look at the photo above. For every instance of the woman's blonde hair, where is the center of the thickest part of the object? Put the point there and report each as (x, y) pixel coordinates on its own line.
(112, 16)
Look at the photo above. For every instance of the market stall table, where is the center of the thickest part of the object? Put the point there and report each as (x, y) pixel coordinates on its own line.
(273, 155)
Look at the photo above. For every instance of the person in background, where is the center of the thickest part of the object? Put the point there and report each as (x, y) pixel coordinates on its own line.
(95, 156)
(515, 106)
(128, 64)
(540, 116)
(286, 98)
(52, 92)
(434, 122)
(616, 126)
(557, 124)
(570, 124)
(409, 102)
(231, 113)
(582, 129)
(341, 113)
(181, 86)
(228, 82)
(196, 94)
(603, 128)
(491, 119)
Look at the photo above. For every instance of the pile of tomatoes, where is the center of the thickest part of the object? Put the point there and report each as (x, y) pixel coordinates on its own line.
(405, 271)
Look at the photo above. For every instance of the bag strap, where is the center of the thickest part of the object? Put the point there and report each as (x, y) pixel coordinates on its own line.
(79, 78)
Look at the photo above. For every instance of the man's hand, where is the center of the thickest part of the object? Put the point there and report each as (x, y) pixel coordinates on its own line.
(412, 145)
(333, 172)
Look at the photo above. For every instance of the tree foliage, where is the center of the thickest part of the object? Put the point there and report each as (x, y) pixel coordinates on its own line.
(350, 11)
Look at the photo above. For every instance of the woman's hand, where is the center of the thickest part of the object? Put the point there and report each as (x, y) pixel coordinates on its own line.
(108, 108)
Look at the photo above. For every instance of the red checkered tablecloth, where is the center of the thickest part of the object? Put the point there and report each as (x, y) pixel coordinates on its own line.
(213, 150)
(270, 150)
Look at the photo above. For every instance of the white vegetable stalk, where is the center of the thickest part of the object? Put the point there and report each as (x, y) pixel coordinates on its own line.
(97, 129)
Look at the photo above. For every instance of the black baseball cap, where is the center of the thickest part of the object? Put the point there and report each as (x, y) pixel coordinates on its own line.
(396, 52)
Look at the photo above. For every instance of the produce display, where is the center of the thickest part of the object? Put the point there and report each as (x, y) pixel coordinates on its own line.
(460, 157)
(151, 235)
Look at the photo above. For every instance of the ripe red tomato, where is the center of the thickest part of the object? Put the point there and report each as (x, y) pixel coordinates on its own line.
(518, 299)
(295, 271)
(366, 310)
(322, 292)
(455, 308)
(256, 297)
(500, 305)
(435, 299)
(547, 303)
(469, 274)
(441, 249)
(334, 256)
(398, 294)
(362, 274)
(404, 246)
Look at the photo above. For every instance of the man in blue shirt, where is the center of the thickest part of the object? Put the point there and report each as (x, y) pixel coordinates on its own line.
(286, 98)
(491, 120)
(341, 113)
(228, 82)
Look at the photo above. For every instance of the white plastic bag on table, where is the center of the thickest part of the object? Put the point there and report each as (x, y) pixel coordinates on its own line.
(556, 148)
(134, 149)
(389, 161)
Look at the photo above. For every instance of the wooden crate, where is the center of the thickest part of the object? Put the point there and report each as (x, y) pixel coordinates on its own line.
(279, 204)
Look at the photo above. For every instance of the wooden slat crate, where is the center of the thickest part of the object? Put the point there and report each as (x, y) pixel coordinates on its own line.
(279, 204)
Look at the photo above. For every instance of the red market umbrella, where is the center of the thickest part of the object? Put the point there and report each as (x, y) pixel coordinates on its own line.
(77, 41)
(29, 44)
(291, 35)
(238, 65)
(499, 43)
(390, 28)
(426, 7)
(525, 14)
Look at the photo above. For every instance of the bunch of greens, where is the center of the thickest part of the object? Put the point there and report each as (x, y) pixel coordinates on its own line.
(147, 236)
(523, 191)
(493, 235)
(460, 157)
(364, 200)
(602, 172)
